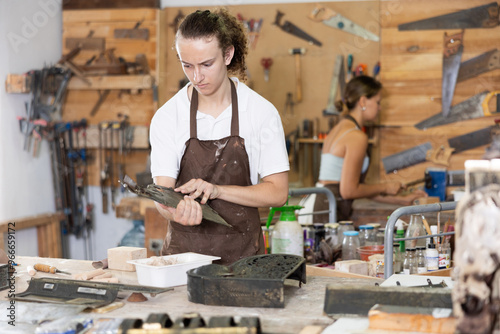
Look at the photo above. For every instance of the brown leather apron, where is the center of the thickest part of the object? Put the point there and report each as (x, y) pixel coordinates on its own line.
(222, 162)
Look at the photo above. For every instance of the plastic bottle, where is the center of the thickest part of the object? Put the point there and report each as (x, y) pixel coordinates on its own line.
(331, 234)
(421, 262)
(397, 258)
(432, 257)
(400, 233)
(287, 236)
(406, 262)
(415, 229)
(413, 261)
(350, 246)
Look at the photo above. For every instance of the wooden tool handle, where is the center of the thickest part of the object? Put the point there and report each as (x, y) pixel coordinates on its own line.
(45, 268)
(299, 77)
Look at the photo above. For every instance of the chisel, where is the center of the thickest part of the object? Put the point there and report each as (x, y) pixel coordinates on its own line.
(49, 269)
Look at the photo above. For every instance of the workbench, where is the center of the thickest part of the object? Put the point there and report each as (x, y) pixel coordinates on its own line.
(303, 305)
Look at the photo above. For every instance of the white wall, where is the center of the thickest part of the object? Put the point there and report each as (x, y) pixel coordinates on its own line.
(30, 37)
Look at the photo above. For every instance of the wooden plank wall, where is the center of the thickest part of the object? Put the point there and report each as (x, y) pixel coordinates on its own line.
(411, 74)
(317, 63)
(139, 106)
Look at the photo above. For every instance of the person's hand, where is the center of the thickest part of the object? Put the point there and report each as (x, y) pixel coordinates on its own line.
(188, 212)
(195, 188)
(393, 188)
(410, 198)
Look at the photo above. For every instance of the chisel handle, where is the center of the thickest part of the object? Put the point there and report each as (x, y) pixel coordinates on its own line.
(45, 268)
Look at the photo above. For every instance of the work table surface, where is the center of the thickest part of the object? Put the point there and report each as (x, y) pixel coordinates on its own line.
(303, 305)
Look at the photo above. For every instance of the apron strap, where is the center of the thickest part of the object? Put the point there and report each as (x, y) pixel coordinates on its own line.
(234, 118)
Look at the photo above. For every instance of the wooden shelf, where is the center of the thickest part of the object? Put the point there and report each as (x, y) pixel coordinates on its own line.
(105, 82)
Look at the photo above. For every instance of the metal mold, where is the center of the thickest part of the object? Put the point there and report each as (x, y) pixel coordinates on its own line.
(255, 281)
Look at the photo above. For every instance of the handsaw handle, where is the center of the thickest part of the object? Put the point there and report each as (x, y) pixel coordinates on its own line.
(45, 268)
(486, 101)
(320, 13)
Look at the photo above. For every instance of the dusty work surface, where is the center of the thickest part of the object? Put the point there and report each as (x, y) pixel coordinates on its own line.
(303, 306)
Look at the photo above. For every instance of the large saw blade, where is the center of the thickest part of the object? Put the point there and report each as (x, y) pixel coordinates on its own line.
(468, 109)
(407, 158)
(452, 57)
(170, 198)
(485, 16)
(471, 140)
(473, 67)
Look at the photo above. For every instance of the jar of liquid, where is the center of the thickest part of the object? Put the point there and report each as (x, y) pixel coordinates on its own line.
(350, 246)
(345, 225)
(366, 236)
(415, 229)
(331, 234)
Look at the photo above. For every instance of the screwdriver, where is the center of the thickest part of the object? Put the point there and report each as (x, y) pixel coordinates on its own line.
(48, 269)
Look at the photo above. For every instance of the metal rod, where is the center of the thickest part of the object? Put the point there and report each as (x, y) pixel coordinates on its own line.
(391, 222)
(424, 236)
(317, 190)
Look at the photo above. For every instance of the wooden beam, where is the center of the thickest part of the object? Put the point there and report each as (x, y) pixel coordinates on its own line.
(31, 221)
(105, 82)
(352, 299)
(109, 4)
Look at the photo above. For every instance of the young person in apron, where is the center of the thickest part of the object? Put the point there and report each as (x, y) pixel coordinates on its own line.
(345, 159)
(219, 141)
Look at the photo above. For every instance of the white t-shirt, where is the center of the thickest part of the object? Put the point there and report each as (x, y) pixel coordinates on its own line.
(259, 125)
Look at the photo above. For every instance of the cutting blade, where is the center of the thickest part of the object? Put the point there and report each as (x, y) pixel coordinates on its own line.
(485, 16)
(343, 23)
(485, 62)
(407, 158)
(452, 57)
(468, 109)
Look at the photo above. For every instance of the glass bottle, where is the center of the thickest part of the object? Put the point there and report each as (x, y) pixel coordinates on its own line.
(345, 225)
(406, 262)
(331, 235)
(415, 229)
(366, 236)
(421, 261)
(413, 261)
(397, 258)
(350, 246)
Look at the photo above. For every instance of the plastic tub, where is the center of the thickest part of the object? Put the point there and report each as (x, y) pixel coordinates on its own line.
(172, 274)
(365, 251)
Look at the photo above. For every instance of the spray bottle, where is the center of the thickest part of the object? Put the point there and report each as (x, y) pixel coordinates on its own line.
(287, 236)
(400, 233)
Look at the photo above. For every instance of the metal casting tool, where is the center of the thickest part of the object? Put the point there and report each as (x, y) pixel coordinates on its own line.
(169, 197)
(335, 20)
(483, 63)
(485, 16)
(297, 52)
(474, 107)
(68, 291)
(255, 281)
(49, 269)
(338, 80)
(452, 57)
(294, 30)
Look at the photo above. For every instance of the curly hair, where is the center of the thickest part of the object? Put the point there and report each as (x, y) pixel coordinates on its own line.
(355, 89)
(228, 30)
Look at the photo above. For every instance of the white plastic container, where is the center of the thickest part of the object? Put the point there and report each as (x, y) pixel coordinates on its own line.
(172, 274)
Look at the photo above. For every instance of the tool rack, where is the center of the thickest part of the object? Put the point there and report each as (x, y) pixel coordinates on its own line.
(409, 210)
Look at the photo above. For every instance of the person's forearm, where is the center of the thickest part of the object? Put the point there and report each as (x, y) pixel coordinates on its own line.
(263, 194)
(363, 190)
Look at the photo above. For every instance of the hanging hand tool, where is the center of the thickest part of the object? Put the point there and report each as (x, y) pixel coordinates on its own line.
(333, 19)
(406, 158)
(473, 67)
(485, 16)
(134, 33)
(298, 76)
(104, 167)
(338, 79)
(376, 70)
(349, 67)
(289, 105)
(49, 269)
(294, 30)
(471, 140)
(266, 63)
(474, 107)
(452, 56)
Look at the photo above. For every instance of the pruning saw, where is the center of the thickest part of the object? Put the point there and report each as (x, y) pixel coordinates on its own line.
(335, 20)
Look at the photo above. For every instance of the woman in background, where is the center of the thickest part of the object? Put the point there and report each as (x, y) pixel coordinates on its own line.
(345, 160)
